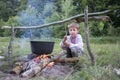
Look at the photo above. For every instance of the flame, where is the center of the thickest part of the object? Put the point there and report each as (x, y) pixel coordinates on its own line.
(45, 60)
(50, 64)
(45, 57)
(36, 59)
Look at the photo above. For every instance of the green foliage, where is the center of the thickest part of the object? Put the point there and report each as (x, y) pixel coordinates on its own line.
(8, 12)
(114, 31)
(66, 9)
(12, 21)
(96, 28)
(97, 6)
(23, 4)
(8, 8)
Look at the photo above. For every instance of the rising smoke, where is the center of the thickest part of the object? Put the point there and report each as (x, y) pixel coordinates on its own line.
(36, 13)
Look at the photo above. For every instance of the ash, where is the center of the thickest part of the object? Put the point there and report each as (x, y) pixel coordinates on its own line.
(57, 71)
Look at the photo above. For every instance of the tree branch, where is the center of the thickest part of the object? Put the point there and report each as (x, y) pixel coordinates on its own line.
(59, 22)
(98, 18)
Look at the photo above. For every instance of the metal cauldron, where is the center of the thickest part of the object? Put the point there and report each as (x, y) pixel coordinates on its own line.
(41, 47)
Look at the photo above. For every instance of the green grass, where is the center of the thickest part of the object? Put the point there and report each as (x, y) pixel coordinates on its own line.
(107, 53)
(106, 50)
(102, 40)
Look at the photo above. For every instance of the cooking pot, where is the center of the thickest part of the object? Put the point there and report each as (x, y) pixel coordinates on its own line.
(41, 47)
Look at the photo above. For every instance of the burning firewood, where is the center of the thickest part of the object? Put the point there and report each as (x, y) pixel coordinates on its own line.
(31, 72)
(34, 66)
(18, 67)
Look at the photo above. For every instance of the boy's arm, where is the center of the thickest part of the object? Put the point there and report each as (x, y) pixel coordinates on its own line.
(79, 43)
(63, 43)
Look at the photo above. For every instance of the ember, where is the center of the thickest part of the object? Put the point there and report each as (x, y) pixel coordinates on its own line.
(43, 65)
(43, 59)
(30, 68)
(35, 65)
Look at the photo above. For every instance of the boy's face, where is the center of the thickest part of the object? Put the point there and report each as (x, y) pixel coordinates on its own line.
(73, 31)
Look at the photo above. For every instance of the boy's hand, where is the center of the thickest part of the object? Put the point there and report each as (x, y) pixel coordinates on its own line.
(65, 38)
(64, 41)
(66, 44)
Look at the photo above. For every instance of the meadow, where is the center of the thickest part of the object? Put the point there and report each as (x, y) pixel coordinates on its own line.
(106, 50)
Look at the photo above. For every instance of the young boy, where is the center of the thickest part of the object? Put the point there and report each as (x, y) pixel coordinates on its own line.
(73, 42)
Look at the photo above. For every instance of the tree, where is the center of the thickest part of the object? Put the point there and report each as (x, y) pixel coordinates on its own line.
(101, 5)
(12, 22)
(9, 8)
(8, 11)
(63, 10)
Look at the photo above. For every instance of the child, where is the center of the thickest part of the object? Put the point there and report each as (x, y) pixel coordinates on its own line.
(73, 42)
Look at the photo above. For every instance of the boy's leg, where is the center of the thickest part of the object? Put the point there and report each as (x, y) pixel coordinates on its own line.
(76, 52)
(69, 54)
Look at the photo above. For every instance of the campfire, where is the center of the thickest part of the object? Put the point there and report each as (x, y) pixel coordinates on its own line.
(34, 66)
(42, 62)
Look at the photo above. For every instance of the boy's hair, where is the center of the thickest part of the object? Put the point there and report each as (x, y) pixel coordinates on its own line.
(73, 25)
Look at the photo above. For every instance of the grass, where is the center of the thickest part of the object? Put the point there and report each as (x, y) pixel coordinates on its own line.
(106, 50)
(107, 53)
(102, 40)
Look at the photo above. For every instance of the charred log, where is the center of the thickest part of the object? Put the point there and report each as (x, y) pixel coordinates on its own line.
(23, 66)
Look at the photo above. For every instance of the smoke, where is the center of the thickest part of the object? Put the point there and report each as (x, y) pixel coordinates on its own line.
(35, 14)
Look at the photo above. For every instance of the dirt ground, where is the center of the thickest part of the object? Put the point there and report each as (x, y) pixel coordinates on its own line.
(57, 71)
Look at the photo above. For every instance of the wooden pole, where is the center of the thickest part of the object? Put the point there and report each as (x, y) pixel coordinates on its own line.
(92, 56)
(61, 21)
(10, 47)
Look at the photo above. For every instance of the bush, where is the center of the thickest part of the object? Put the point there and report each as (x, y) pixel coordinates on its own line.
(114, 31)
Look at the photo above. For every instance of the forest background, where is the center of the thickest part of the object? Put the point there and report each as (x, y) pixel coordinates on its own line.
(104, 35)
(38, 12)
